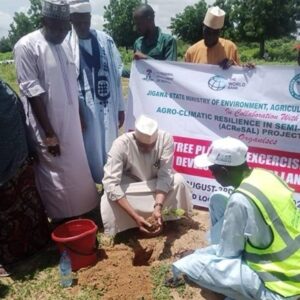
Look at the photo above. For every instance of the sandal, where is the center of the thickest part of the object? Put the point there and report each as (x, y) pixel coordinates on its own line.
(174, 282)
(4, 272)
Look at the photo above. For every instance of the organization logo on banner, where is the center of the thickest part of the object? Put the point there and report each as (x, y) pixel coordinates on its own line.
(148, 76)
(219, 83)
(162, 77)
(294, 87)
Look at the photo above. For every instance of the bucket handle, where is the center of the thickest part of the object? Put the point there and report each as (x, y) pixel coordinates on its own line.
(94, 250)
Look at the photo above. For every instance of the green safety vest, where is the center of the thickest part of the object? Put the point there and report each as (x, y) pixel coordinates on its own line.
(278, 265)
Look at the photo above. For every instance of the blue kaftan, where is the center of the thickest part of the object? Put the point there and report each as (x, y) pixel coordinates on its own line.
(100, 97)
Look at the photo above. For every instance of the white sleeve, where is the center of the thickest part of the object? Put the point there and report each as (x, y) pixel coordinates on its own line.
(232, 241)
(27, 71)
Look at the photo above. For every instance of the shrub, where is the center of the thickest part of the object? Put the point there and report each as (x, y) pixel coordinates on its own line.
(6, 56)
(181, 49)
(126, 55)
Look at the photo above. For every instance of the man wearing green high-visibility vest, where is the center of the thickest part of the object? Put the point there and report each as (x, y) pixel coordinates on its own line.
(255, 234)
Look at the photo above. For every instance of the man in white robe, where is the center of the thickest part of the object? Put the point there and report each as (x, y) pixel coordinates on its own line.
(47, 79)
(99, 65)
(139, 180)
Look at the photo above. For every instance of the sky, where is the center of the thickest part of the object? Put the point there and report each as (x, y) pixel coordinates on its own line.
(164, 10)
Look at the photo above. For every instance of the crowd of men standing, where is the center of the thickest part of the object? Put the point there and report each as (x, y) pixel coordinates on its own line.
(65, 61)
(65, 122)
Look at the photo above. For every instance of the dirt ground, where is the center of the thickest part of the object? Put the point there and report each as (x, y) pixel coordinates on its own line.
(123, 271)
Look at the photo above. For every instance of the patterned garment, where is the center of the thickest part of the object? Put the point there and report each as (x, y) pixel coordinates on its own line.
(23, 223)
(100, 97)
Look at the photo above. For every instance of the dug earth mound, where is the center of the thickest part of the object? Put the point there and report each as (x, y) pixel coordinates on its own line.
(134, 267)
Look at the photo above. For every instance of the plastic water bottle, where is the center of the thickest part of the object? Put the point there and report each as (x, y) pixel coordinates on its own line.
(65, 269)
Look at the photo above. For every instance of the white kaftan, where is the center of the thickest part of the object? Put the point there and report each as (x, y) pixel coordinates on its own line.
(47, 70)
(136, 175)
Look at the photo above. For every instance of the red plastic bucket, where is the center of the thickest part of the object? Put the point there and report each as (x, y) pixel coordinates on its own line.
(78, 238)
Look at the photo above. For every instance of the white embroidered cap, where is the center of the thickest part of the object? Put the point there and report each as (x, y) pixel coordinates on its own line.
(80, 6)
(225, 152)
(146, 130)
(214, 17)
(56, 9)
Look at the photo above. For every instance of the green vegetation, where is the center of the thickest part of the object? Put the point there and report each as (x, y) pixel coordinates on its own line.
(159, 274)
(259, 21)
(6, 55)
(246, 20)
(23, 23)
(280, 51)
(126, 55)
(119, 21)
(181, 49)
(188, 24)
(8, 74)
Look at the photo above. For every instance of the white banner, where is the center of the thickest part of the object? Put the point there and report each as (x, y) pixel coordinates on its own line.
(200, 103)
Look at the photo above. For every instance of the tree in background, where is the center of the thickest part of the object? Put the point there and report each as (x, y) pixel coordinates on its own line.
(21, 26)
(228, 31)
(119, 21)
(4, 45)
(34, 13)
(188, 24)
(259, 20)
(23, 23)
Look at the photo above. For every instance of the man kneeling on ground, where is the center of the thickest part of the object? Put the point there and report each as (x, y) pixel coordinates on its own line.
(255, 231)
(139, 180)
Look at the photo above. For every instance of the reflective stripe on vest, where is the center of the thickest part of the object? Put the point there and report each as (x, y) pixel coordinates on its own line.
(277, 264)
(292, 245)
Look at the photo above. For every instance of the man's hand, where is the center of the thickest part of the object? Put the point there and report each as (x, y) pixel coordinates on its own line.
(157, 214)
(52, 144)
(142, 224)
(226, 63)
(139, 55)
(249, 65)
(121, 117)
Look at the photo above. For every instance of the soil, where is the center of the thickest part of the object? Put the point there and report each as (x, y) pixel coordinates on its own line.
(154, 224)
(123, 270)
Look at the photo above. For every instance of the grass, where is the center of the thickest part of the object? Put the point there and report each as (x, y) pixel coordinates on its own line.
(158, 274)
(38, 278)
(8, 74)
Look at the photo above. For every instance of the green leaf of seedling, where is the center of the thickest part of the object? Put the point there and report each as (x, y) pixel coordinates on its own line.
(174, 212)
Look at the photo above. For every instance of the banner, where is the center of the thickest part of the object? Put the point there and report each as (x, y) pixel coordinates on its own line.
(200, 103)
